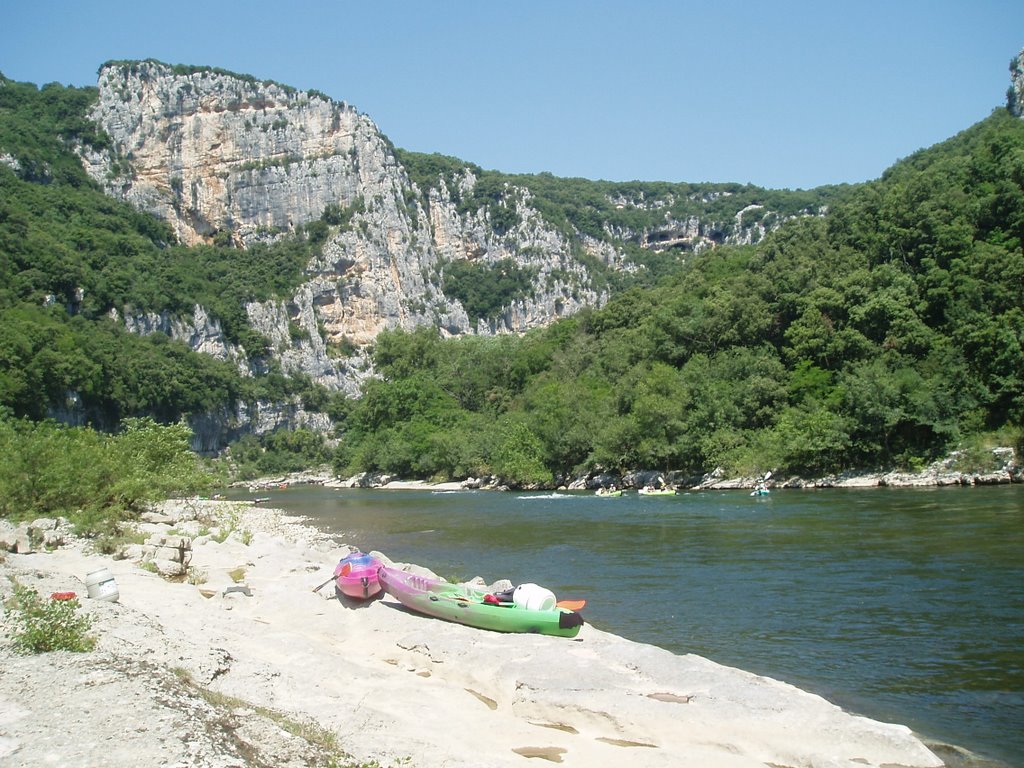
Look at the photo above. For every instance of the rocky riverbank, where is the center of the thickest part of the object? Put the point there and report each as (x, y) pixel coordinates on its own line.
(996, 467)
(239, 662)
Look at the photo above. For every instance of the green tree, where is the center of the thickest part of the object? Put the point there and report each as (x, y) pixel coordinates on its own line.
(95, 480)
(565, 414)
(519, 455)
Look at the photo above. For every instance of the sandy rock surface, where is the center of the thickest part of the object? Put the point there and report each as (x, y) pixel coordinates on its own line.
(271, 672)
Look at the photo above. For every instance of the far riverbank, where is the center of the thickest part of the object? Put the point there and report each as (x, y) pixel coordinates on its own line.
(1002, 467)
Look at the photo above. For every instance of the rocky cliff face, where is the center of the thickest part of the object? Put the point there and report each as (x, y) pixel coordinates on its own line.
(1015, 96)
(223, 156)
(213, 153)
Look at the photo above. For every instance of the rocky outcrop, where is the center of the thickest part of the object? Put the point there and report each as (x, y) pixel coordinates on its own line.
(44, 533)
(207, 151)
(1015, 95)
(167, 554)
(996, 466)
(201, 332)
(213, 430)
(214, 154)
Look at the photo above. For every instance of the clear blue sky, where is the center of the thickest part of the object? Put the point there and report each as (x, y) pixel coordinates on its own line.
(780, 94)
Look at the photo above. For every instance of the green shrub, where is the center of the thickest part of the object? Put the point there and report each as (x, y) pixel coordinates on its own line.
(96, 480)
(41, 625)
(486, 289)
(279, 452)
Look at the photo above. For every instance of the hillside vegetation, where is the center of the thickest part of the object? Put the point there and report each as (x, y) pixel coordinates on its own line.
(69, 255)
(883, 333)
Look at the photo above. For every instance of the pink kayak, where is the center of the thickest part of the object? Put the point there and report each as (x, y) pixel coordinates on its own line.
(355, 575)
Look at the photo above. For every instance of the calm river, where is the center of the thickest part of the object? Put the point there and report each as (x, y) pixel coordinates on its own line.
(905, 605)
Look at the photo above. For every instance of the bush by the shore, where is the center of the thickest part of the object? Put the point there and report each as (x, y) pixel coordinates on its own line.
(94, 479)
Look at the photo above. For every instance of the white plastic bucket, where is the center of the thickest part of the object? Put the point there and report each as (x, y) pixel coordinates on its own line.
(533, 597)
(102, 586)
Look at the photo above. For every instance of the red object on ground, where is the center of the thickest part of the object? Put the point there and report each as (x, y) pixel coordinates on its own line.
(63, 596)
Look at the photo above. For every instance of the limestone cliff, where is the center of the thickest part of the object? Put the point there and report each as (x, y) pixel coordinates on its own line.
(1015, 95)
(226, 158)
(223, 155)
(216, 153)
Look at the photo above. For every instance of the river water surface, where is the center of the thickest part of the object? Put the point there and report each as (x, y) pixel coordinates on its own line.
(904, 605)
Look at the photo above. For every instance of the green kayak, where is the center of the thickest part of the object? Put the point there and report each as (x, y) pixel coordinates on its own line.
(464, 604)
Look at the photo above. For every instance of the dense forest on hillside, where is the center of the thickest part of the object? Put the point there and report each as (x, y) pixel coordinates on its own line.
(884, 333)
